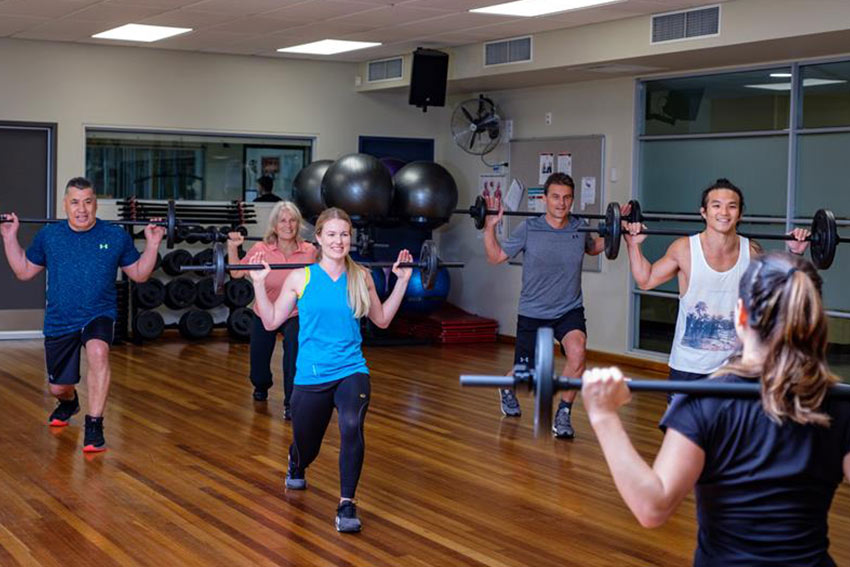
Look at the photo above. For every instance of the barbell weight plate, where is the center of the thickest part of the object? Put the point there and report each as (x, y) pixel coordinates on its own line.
(195, 324)
(149, 294)
(207, 298)
(544, 385)
(173, 260)
(635, 214)
(170, 224)
(824, 239)
(219, 273)
(180, 293)
(205, 256)
(478, 212)
(148, 325)
(239, 323)
(429, 261)
(613, 230)
(238, 293)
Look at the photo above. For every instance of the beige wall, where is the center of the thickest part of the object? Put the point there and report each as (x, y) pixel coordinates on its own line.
(79, 85)
(600, 107)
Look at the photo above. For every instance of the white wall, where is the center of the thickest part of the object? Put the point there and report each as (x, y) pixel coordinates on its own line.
(600, 107)
(78, 85)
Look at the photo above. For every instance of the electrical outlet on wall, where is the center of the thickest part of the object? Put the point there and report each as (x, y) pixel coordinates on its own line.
(547, 118)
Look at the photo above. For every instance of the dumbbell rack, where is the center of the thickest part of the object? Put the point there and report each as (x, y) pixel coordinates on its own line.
(214, 215)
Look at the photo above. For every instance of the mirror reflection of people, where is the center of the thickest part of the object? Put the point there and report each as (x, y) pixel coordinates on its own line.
(265, 188)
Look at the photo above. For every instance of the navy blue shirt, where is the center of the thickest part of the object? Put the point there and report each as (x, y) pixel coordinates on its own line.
(81, 272)
(764, 493)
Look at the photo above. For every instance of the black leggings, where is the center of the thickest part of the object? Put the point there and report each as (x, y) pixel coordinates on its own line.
(312, 407)
(262, 347)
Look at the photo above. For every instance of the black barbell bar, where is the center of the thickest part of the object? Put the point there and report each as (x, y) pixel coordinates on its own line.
(543, 382)
(170, 223)
(428, 265)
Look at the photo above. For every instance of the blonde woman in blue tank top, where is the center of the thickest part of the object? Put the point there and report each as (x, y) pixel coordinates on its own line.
(331, 295)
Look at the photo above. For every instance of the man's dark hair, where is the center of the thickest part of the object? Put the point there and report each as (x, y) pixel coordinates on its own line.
(558, 178)
(78, 183)
(722, 183)
(266, 183)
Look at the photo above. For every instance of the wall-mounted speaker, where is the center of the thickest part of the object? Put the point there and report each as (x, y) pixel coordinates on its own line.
(428, 78)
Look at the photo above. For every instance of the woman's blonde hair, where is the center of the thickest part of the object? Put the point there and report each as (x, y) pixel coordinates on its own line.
(270, 237)
(782, 296)
(358, 288)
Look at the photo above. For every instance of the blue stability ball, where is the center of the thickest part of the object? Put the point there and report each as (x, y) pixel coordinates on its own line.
(360, 185)
(307, 188)
(425, 194)
(419, 300)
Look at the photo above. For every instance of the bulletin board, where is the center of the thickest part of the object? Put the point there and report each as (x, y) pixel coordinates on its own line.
(530, 163)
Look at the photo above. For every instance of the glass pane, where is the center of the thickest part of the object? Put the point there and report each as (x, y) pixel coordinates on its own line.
(675, 172)
(826, 95)
(190, 167)
(656, 322)
(822, 184)
(731, 102)
(838, 354)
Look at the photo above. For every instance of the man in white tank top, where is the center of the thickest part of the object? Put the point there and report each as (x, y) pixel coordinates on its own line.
(708, 266)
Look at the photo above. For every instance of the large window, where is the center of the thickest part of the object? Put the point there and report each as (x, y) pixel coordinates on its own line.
(782, 134)
(157, 165)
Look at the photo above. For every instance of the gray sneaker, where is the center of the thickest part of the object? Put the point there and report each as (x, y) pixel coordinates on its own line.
(346, 518)
(561, 425)
(510, 405)
(295, 479)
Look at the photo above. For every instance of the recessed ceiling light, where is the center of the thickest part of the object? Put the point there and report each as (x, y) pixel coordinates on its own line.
(531, 8)
(141, 32)
(781, 75)
(328, 47)
(787, 86)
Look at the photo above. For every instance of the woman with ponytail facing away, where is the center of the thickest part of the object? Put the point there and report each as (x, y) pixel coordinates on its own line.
(764, 470)
(332, 295)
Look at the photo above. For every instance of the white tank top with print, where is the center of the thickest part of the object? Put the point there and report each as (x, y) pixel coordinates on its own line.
(705, 330)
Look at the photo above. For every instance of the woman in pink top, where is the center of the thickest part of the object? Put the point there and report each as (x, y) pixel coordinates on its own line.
(281, 244)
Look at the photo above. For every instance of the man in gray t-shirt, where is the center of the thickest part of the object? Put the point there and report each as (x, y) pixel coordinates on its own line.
(551, 285)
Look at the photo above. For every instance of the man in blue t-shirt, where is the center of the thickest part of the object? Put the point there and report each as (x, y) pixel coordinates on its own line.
(551, 285)
(82, 257)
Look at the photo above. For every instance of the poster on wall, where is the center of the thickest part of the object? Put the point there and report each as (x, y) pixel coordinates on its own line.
(588, 191)
(565, 163)
(492, 184)
(536, 201)
(547, 167)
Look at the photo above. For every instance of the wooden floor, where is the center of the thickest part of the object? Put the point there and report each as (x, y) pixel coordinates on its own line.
(194, 472)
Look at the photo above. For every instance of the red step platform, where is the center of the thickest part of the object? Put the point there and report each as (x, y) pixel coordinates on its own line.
(449, 324)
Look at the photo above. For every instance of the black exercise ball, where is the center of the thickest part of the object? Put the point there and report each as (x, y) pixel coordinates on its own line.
(360, 185)
(307, 188)
(425, 193)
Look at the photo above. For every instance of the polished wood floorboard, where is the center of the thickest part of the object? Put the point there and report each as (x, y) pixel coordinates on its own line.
(194, 472)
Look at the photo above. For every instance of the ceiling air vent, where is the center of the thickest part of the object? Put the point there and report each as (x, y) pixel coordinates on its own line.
(385, 70)
(516, 50)
(688, 24)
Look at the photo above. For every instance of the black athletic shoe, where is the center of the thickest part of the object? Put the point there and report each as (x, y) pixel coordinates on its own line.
(287, 413)
(562, 427)
(294, 478)
(93, 441)
(510, 405)
(63, 412)
(260, 395)
(346, 517)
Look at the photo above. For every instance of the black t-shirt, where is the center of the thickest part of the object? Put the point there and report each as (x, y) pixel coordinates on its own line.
(267, 198)
(765, 490)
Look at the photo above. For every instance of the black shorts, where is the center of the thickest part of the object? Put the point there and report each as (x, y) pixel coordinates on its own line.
(526, 332)
(62, 354)
(682, 375)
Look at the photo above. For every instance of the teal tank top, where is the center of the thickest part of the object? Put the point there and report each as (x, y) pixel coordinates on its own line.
(329, 341)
